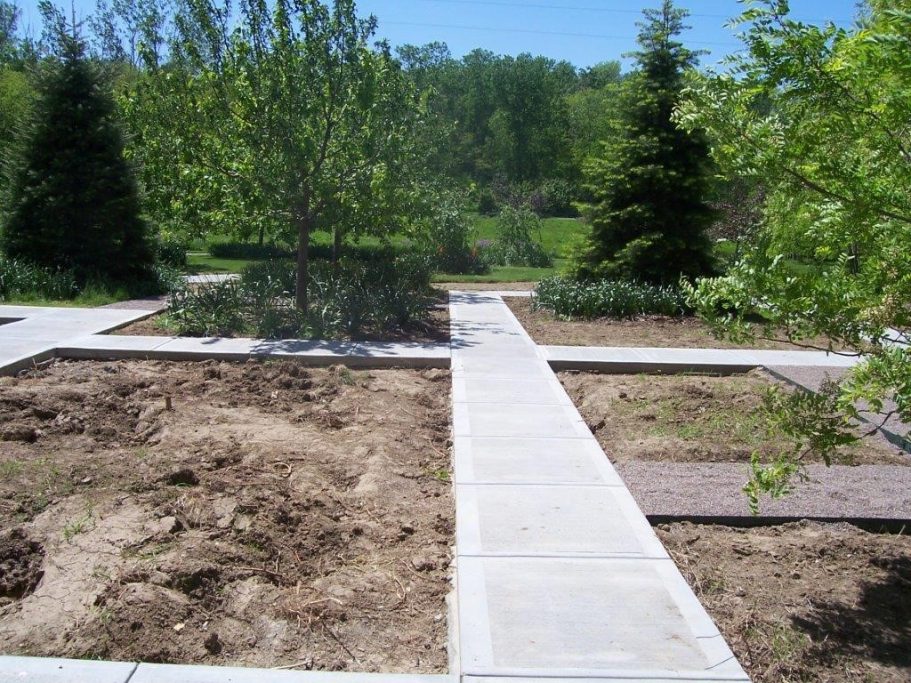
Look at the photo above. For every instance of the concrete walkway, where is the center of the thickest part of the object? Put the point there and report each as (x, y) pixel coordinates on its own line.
(559, 574)
(32, 333)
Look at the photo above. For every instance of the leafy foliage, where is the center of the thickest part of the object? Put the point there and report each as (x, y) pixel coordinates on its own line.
(570, 298)
(74, 204)
(650, 184)
(449, 238)
(819, 115)
(518, 240)
(286, 114)
(350, 299)
(19, 278)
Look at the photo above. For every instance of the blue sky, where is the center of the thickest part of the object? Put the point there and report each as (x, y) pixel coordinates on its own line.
(583, 32)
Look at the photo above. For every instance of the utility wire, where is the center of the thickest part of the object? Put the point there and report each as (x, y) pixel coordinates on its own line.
(601, 36)
(605, 10)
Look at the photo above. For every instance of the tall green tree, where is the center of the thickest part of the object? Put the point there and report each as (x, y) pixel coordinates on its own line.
(286, 106)
(650, 183)
(819, 115)
(74, 203)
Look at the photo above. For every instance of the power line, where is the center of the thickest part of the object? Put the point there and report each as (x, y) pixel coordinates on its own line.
(605, 10)
(601, 36)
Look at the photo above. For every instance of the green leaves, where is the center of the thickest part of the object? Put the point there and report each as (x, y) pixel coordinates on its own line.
(819, 114)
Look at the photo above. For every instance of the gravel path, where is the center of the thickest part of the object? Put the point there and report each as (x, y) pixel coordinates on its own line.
(690, 490)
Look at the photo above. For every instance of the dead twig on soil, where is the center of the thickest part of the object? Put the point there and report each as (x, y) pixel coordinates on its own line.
(275, 575)
(339, 641)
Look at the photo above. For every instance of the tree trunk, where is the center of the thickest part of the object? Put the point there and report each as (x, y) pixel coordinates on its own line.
(262, 234)
(304, 224)
(336, 246)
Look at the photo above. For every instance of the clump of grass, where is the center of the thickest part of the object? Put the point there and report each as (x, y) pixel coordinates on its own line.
(572, 298)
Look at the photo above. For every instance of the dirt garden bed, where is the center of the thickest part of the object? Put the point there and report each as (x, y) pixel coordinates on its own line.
(803, 601)
(256, 514)
(648, 331)
(691, 418)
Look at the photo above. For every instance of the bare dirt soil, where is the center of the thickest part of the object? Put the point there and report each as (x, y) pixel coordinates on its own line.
(692, 418)
(435, 329)
(803, 601)
(648, 331)
(254, 513)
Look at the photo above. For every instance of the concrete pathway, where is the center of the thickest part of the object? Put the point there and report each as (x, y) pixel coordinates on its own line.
(559, 574)
(32, 333)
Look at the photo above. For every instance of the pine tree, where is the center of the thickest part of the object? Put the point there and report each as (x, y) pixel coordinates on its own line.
(649, 186)
(73, 201)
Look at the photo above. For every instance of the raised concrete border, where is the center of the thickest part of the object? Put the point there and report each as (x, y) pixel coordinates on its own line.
(53, 670)
(37, 331)
(39, 334)
(315, 353)
(623, 360)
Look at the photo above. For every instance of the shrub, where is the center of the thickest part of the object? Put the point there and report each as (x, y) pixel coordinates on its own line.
(171, 251)
(557, 197)
(347, 299)
(518, 240)
(243, 250)
(607, 298)
(449, 237)
(19, 278)
(213, 309)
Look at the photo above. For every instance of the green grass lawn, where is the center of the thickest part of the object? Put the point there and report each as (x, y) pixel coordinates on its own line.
(204, 264)
(558, 235)
(505, 274)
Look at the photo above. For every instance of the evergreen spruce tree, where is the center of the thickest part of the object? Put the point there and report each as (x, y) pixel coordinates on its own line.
(73, 200)
(649, 187)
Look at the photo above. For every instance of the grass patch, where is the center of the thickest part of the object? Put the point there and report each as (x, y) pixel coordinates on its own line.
(558, 235)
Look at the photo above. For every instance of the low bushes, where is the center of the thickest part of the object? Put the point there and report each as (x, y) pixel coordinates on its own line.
(351, 299)
(607, 298)
(19, 278)
(171, 252)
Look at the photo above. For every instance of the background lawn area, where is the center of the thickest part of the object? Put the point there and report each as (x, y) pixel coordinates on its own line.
(558, 235)
(202, 264)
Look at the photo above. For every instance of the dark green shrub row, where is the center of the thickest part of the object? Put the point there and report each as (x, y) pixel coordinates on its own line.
(348, 300)
(607, 298)
(243, 250)
(18, 278)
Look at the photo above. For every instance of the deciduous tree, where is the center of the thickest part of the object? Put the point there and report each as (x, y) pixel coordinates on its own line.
(820, 116)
